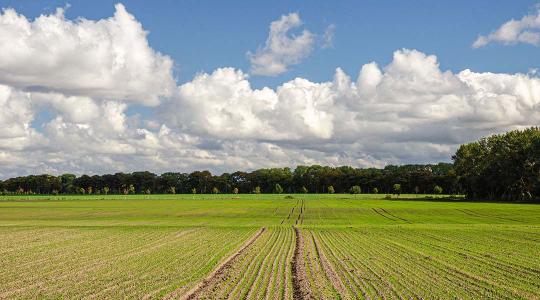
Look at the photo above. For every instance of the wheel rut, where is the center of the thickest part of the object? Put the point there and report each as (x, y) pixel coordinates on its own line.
(299, 279)
(215, 275)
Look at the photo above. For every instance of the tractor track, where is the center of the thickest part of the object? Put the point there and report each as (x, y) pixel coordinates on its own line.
(402, 219)
(215, 275)
(299, 279)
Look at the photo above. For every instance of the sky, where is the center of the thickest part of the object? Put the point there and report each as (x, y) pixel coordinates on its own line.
(102, 86)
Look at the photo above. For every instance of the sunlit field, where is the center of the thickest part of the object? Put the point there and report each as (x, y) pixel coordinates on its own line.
(266, 246)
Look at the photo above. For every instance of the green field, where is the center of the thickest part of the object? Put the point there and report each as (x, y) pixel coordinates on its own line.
(267, 247)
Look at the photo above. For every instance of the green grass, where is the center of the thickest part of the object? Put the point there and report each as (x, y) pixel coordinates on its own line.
(150, 246)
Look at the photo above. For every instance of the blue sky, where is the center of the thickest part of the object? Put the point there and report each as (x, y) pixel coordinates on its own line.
(87, 91)
(205, 35)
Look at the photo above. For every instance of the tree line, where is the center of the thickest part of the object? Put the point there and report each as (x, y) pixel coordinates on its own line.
(419, 179)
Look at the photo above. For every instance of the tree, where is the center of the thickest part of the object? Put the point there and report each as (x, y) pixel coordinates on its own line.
(397, 189)
(355, 189)
(437, 190)
(501, 167)
(235, 190)
(257, 190)
(304, 190)
(278, 189)
(331, 190)
(375, 190)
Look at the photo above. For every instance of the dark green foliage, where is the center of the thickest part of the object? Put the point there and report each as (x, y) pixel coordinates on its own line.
(315, 179)
(501, 167)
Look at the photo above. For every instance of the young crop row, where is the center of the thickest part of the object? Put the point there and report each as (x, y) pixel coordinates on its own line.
(262, 271)
(406, 263)
(100, 263)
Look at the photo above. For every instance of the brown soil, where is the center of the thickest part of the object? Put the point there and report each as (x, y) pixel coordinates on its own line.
(299, 280)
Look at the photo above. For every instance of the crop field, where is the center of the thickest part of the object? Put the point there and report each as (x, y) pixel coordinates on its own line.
(267, 247)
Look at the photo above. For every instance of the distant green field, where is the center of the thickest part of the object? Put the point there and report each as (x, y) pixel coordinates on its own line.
(265, 246)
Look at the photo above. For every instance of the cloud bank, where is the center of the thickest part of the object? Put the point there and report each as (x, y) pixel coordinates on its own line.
(407, 111)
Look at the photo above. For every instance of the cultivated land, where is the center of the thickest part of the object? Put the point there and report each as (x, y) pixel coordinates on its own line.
(266, 247)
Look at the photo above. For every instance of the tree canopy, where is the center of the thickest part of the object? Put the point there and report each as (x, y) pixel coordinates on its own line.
(501, 167)
(312, 179)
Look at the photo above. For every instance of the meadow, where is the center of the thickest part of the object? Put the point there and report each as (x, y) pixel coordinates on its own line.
(313, 246)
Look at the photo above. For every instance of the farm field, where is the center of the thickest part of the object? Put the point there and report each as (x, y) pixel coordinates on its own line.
(267, 247)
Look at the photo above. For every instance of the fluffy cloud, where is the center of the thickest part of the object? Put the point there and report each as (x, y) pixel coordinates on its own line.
(16, 116)
(281, 48)
(108, 59)
(410, 105)
(407, 111)
(526, 30)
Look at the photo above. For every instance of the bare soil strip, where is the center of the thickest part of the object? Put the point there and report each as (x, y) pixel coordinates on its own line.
(299, 280)
(218, 271)
(290, 213)
(301, 214)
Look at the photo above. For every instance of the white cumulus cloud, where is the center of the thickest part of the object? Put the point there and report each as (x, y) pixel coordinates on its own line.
(526, 30)
(108, 58)
(282, 48)
(74, 106)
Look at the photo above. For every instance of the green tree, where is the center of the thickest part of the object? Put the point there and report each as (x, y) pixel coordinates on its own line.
(331, 190)
(355, 189)
(257, 190)
(397, 188)
(278, 189)
(502, 167)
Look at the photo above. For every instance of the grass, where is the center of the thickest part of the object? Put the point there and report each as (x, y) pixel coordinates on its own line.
(353, 246)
